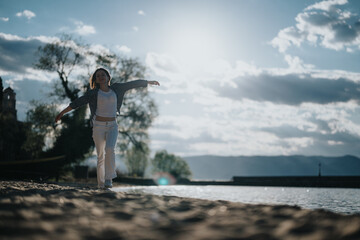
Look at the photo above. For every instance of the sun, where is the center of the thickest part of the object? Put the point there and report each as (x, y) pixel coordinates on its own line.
(194, 45)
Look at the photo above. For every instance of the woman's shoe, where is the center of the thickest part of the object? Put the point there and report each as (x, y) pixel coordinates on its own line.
(108, 183)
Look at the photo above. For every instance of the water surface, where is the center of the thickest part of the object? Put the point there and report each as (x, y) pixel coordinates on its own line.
(341, 200)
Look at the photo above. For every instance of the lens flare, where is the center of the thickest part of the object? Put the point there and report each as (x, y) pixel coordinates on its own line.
(163, 181)
(164, 178)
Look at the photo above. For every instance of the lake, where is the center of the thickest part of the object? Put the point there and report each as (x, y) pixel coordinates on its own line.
(340, 200)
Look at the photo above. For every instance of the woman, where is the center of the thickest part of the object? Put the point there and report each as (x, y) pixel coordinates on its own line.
(104, 101)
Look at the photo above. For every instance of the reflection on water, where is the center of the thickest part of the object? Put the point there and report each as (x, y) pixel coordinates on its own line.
(334, 199)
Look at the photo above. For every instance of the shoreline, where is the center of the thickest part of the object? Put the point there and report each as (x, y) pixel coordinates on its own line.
(34, 210)
(337, 200)
(266, 181)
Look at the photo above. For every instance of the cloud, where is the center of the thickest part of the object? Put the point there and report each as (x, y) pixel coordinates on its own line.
(162, 64)
(187, 135)
(17, 53)
(323, 23)
(331, 142)
(327, 5)
(287, 37)
(79, 28)
(238, 108)
(292, 89)
(296, 65)
(83, 29)
(243, 109)
(248, 127)
(333, 134)
(141, 12)
(165, 66)
(4, 19)
(299, 83)
(180, 133)
(135, 28)
(26, 13)
(123, 49)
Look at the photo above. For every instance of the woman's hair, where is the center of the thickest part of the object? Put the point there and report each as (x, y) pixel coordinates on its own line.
(92, 79)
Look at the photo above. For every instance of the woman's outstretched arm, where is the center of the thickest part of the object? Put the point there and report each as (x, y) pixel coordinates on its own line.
(135, 84)
(76, 103)
(153, 83)
(61, 114)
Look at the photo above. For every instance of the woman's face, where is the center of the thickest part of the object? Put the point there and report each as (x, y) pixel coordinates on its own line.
(101, 77)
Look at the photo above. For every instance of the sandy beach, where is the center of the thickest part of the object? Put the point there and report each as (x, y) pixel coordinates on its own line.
(30, 210)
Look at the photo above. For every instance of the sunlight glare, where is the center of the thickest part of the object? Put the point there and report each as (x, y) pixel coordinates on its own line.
(194, 46)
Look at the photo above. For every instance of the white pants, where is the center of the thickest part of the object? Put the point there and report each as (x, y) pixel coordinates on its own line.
(105, 136)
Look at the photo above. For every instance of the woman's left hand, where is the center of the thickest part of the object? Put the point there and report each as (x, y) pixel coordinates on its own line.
(153, 83)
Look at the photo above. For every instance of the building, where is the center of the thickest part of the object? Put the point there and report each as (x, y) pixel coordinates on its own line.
(7, 101)
(12, 133)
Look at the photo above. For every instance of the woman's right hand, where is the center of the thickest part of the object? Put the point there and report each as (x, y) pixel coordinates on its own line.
(59, 116)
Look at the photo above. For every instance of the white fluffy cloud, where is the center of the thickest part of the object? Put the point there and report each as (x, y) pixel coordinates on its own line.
(325, 24)
(287, 37)
(26, 13)
(4, 19)
(79, 28)
(242, 109)
(123, 48)
(162, 64)
(141, 12)
(327, 5)
(248, 127)
(83, 29)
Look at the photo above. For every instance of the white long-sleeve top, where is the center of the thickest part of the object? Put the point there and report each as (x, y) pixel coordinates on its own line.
(90, 97)
(106, 103)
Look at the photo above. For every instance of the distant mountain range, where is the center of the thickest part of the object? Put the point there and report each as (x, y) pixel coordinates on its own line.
(211, 167)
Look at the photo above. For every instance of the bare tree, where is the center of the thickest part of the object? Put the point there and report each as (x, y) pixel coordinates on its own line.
(62, 56)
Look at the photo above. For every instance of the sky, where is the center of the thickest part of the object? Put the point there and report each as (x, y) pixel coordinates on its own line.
(245, 77)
